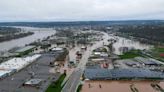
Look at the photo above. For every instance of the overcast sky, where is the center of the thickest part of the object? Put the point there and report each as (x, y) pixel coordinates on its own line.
(80, 10)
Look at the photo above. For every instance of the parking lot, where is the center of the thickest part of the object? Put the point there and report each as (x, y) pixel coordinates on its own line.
(39, 69)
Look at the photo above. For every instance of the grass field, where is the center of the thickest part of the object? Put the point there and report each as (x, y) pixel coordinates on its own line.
(56, 86)
(131, 54)
(79, 88)
(157, 52)
(159, 49)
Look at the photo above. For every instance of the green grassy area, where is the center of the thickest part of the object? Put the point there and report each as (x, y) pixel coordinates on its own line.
(131, 54)
(79, 88)
(56, 86)
(160, 49)
(157, 51)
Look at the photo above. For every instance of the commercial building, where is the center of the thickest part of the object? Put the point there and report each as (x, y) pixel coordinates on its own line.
(16, 64)
(121, 74)
(147, 61)
(24, 49)
(21, 51)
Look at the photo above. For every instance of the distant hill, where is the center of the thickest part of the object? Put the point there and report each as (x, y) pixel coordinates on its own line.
(81, 23)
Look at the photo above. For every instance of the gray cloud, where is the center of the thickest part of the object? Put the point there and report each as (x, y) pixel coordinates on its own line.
(66, 10)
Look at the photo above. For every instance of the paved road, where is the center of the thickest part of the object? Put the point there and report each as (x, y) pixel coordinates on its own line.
(74, 78)
(71, 57)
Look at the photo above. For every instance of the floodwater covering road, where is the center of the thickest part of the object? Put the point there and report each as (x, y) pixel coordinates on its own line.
(124, 42)
(74, 78)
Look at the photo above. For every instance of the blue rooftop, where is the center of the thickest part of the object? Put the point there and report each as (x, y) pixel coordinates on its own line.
(104, 74)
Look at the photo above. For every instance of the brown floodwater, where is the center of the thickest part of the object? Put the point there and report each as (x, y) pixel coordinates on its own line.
(119, 86)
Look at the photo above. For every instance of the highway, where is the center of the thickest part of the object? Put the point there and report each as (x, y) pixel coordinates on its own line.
(74, 79)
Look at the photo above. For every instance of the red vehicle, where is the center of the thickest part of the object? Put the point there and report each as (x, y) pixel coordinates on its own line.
(161, 55)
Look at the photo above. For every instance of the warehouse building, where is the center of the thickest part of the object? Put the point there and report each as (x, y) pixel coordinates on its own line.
(117, 74)
(14, 65)
(24, 50)
(147, 61)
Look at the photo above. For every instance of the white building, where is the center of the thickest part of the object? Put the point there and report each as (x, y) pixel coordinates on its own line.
(16, 64)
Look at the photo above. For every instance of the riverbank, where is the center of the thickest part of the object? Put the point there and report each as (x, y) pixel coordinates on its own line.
(39, 34)
(10, 33)
(15, 36)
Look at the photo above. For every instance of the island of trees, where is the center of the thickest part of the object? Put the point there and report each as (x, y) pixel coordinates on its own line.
(9, 33)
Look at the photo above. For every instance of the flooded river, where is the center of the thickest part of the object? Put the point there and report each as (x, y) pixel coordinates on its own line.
(124, 42)
(39, 33)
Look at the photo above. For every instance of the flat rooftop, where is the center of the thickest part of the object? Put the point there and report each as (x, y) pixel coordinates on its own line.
(24, 49)
(33, 82)
(3, 73)
(16, 64)
(108, 74)
(147, 61)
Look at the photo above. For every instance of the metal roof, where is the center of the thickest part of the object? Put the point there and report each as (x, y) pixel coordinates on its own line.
(16, 64)
(104, 74)
(24, 49)
(33, 82)
(146, 61)
(131, 62)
